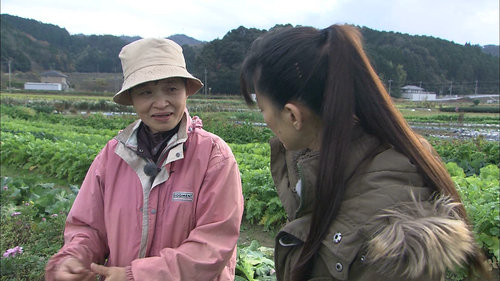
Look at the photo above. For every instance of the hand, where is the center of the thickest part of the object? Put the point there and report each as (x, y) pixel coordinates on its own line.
(72, 269)
(110, 273)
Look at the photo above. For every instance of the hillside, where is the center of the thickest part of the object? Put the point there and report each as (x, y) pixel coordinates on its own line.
(182, 40)
(492, 50)
(36, 46)
(400, 59)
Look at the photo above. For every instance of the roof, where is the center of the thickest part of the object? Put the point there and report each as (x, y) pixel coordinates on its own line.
(412, 87)
(53, 73)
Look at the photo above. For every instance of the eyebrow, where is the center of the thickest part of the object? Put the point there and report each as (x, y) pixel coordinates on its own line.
(168, 81)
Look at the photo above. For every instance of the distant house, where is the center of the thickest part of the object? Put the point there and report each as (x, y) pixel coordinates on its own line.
(415, 93)
(37, 86)
(53, 76)
(50, 81)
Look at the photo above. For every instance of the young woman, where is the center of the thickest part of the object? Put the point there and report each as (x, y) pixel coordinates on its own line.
(162, 200)
(366, 197)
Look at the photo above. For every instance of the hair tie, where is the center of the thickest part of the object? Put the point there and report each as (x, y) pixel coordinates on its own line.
(297, 68)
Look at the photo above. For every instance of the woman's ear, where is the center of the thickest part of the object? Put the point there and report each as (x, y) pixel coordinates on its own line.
(294, 114)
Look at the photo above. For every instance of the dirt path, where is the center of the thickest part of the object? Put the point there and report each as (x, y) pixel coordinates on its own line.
(250, 232)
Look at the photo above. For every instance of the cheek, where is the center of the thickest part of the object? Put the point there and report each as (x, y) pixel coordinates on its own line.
(182, 104)
(269, 121)
(140, 104)
(178, 100)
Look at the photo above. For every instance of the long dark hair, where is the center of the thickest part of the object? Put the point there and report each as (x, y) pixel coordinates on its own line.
(329, 71)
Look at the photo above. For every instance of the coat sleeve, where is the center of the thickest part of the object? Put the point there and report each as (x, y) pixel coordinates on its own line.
(84, 234)
(211, 244)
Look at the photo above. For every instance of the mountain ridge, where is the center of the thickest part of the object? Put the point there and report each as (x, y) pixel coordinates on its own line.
(33, 46)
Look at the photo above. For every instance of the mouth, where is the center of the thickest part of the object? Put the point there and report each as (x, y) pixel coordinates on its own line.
(162, 116)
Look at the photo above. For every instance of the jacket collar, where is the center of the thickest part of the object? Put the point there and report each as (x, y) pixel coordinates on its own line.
(129, 135)
(362, 147)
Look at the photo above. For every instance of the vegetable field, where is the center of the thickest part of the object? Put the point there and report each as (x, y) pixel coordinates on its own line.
(48, 143)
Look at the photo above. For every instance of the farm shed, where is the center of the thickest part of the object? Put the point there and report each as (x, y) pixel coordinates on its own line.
(415, 93)
(53, 76)
(43, 86)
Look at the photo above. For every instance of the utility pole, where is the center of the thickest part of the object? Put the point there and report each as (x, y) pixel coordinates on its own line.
(115, 75)
(10, 61)
(475, 89)
(451, 87)
(206, 83)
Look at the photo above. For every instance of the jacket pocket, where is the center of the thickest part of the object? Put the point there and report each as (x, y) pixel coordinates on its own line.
(286, 254)
(339, 249)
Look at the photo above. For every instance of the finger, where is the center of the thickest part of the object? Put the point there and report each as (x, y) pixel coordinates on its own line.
(74, 266)
(68, 272)
(65, 276)
(68, 276)
(99, 269)
(78, 270)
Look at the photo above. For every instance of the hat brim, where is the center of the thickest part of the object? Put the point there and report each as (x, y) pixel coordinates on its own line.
(153, 73)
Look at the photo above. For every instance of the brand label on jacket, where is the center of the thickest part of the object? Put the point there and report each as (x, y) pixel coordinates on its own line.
(182, 196)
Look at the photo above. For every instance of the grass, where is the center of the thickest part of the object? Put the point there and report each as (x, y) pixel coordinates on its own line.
(26, 174)
(50, 96)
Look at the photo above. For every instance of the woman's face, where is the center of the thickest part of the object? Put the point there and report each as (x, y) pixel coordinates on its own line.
(283, 123)
(160, 104)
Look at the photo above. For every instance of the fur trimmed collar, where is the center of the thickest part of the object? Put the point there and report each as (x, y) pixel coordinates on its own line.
(421, 238)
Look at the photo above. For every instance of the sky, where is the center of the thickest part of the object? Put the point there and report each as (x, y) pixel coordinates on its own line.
(460, 21)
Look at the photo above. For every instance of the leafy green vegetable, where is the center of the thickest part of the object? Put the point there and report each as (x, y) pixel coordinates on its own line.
(255, 262)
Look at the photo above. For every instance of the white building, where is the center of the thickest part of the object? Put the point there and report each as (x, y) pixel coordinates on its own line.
(50, 81)
(43, 86)
(415, 93)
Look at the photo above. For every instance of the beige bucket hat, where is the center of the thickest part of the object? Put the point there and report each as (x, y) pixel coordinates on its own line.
(153, 59)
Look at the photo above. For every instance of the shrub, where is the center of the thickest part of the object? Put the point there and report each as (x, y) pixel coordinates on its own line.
(471, 155)
(480, 196)
(262, 204)
(478, 109)
(33, 216)
(255, 263)
(239, 133)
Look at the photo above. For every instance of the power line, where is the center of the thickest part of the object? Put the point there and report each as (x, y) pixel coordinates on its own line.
(465, 87)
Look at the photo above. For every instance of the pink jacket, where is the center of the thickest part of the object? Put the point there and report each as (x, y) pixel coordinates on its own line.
(183, 226)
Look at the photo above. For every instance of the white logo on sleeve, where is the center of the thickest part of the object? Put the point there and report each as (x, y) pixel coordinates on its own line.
(182, 196)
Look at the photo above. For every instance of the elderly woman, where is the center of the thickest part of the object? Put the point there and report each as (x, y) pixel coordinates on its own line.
(163, 199)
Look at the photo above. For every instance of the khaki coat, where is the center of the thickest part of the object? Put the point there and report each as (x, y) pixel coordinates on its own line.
(388, 226)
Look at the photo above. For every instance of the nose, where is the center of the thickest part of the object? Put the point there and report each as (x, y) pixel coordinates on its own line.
(160, 100)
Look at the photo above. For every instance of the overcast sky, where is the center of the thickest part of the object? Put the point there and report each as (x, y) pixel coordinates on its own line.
(461, 21)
